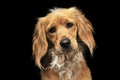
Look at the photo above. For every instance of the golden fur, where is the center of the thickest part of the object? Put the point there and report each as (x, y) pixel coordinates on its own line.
(55, 27)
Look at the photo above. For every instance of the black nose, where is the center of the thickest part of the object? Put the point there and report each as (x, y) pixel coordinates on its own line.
(65, 44)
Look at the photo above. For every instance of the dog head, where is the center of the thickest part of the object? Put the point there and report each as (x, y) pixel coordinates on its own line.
(61, 28)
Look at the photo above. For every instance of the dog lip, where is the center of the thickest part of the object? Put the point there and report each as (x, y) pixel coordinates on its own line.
(67, 50)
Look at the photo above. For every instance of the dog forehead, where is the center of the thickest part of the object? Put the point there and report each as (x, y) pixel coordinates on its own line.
(60, 17)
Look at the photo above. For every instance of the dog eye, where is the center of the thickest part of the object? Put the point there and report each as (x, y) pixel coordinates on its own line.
(52, 30)
(69, 25)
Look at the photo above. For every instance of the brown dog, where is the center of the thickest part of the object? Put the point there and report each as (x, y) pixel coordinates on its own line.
(58, 45)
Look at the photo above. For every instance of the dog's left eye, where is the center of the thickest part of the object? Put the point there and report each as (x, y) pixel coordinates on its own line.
(69, 25)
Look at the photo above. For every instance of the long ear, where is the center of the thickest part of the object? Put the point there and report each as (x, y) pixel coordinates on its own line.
(85, 29)
(39, 42)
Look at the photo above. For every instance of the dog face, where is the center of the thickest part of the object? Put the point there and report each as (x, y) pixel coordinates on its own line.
(61, 31)
(61, 28)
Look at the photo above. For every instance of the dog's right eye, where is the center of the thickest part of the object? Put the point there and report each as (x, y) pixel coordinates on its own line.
(52, 30)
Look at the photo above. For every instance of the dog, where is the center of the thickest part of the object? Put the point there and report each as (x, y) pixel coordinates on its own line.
(59, 41)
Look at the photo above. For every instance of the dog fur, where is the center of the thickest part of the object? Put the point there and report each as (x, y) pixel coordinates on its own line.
(55, 62)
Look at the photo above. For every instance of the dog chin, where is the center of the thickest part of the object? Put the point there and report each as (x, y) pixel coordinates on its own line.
(64, 51)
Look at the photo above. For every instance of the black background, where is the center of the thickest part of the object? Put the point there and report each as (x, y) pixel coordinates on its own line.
(22, 16)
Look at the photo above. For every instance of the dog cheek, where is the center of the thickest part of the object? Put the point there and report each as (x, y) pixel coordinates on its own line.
(58, 48)
(74, 44)
(53, 39)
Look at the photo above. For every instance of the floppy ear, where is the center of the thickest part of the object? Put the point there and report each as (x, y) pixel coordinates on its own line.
(85, 29)
(40, 44)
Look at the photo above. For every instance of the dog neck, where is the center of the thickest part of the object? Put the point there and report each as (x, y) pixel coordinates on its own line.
(66, 65)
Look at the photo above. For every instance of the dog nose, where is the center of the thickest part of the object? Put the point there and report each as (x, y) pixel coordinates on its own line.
(65, 43)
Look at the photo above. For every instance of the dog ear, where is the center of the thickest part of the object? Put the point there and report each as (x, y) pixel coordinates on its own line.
(85, 29)
(40, 44)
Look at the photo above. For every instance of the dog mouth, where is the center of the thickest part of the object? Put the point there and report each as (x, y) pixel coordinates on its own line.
(65, 51)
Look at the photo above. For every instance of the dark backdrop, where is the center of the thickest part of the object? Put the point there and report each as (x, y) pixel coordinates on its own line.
(22, 17)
